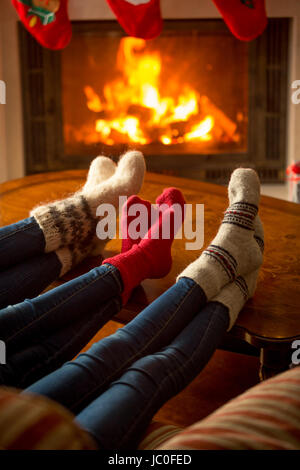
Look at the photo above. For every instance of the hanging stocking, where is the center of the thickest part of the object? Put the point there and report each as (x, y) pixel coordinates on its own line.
(46, 20)
(139, 18)
(246, 19)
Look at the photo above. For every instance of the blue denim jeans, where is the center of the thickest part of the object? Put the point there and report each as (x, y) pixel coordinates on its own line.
(25, 270)
(117, 386)
(42, 333)
(121, 381)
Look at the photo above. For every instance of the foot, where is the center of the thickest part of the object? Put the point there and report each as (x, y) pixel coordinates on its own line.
(100, 170)
(136, 217)
(73, 220)
(233, 251)
(151, 258)
(139, 214)
(235, 294)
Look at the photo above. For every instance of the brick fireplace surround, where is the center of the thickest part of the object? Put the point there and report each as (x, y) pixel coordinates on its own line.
(11, 127)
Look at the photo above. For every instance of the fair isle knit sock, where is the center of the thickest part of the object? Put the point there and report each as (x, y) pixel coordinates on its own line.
(235, 294)
(233, 251)
(100, 170)
(151, 258)
(70, 256)
(73, 220)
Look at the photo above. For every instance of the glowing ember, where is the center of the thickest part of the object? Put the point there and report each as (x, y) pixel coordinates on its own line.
(133, 109)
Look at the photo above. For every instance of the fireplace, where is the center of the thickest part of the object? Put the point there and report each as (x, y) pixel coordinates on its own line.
(196, 101)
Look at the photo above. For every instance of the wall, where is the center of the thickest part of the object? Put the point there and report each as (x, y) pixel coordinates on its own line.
(11, 129)
(11, 132)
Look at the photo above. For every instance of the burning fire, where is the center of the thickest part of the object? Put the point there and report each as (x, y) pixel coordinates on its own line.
(132, 107)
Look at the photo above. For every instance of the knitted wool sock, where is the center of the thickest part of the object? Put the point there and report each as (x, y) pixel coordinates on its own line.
(235, 294)
(151, 258)
(233, 251)
(73, 220)
(101, 168)
(129, 214)
(46, 20)
(148, 215)
(246, 19)
(70, 256)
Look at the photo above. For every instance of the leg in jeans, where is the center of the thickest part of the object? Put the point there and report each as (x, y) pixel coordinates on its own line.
(20, 241)
(42, 333)
(28, 279)
(79, 382)
(122, 413)
(25, 270)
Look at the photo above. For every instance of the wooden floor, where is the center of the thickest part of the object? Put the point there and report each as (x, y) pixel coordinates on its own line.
(225, 377)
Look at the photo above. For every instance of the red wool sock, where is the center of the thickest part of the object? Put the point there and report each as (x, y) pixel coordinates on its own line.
(46, 20)
(246, 19)
(127, 219)
(151, 258)
(139, 18)
(166, 199)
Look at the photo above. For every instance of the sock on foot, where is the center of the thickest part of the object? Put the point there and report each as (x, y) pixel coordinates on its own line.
(133, 210)
(101, 169)
(73, 220)
(151, 258)
(71, 256)
(233, 251)
(235, 294)
(147, 215)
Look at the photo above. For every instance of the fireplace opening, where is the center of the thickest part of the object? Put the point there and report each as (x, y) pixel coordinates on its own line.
(175, 94)
(196, 101)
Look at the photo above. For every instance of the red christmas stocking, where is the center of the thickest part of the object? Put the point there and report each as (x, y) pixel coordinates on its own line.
(139, 18)
(46, 20)
(246, 19)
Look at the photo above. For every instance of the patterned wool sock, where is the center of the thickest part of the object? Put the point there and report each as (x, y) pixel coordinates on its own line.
(151, 258)
(100, 170)
(233, 251)
(70, 256)
(73, 220)
(139, 214)
(235, 294)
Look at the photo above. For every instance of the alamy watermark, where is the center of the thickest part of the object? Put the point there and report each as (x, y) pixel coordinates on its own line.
(296, 94)
(164, 223)
(296, 354)
(2, 92)
(2, 353)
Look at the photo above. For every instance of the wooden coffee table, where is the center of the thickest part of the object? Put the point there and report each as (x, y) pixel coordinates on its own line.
(270, 321)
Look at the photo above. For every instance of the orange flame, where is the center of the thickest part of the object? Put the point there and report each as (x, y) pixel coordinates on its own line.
(133, 109)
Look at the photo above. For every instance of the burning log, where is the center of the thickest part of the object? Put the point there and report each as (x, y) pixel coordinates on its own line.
(221, 119)
(141, 112)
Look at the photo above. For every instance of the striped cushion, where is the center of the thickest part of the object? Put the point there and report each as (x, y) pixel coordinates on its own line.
(36, 423)
(156, 434)
(265, 417)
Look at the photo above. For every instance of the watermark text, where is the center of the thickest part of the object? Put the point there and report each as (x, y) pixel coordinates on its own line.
(296, 94)
(158, 222)
(2, 92)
